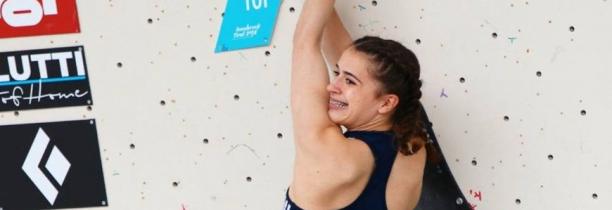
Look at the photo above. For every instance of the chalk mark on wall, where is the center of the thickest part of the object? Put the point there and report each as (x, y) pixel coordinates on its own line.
(242, 56)
(365, 26)
(243, 145)
(491, 25)
(558, 50)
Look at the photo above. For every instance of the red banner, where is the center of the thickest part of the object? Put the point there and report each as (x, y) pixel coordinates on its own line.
(38, 17)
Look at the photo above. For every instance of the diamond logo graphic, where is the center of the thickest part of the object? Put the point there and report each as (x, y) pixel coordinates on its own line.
(57, 165)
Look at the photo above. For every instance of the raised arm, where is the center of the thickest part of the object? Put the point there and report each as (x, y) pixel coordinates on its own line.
(309, 77)
(335, 39)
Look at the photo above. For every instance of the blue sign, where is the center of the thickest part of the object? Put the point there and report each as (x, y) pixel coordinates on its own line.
(247, 23)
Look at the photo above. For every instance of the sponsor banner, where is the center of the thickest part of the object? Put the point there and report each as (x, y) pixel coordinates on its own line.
(38, 17)
(247, 23)
(51, 165)
(44, 78)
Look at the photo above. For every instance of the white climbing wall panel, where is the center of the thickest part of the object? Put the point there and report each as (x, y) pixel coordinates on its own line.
(518, 92)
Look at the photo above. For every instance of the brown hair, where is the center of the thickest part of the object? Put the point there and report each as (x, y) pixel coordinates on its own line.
(398, 71)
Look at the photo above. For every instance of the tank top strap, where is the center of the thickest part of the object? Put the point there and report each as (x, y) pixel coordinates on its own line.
(380, 142)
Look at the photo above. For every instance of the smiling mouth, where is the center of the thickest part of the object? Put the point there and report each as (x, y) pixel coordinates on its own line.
(335, 104)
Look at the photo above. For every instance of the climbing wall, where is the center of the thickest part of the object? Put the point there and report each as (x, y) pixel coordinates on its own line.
(517, 91)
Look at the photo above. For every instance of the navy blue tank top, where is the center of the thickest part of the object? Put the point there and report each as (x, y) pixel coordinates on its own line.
(373, 196)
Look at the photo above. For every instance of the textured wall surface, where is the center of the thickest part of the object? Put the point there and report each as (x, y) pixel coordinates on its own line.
(518, 92)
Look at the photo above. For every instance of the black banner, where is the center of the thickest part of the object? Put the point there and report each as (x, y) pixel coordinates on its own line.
(51, 165)
(44, 78)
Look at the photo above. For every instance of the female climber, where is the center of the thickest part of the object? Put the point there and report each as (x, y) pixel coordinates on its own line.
(374, 94)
